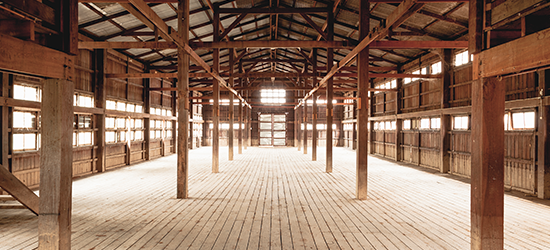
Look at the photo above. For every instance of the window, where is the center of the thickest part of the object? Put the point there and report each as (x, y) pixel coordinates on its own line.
(435, 123)
(436, 68)
(25, 141)
(407, 80)
(462, 58)
(460, 123)
(425, 123)
(273, 96)
(83, 100)
(406, 124)
(26, 93)
(24, 119)
(523, 120)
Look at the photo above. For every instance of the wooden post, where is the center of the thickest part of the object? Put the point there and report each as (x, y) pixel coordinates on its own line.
(231, 107)
(100, 60)
(54, 221)
(191, 122)
(314, 109)
(330, 89)
(299, 121)
(398, 139)
(475, 31)
(362, 106)
(183, 104)
(543, 170)
(487, 184)
(305, 136)
(245, 122)
(240, 129)
(249, 130)
(445, 140)
(216, 97)
(4, 123)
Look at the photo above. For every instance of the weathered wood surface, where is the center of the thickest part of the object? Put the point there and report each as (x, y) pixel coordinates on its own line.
(276, 198)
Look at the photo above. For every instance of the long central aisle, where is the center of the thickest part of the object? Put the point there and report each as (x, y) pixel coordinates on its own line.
(275, 198)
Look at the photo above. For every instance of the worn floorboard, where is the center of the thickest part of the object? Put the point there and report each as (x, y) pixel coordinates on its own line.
(277, 198)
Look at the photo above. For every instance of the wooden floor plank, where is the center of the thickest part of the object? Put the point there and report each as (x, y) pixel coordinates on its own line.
(277, 198)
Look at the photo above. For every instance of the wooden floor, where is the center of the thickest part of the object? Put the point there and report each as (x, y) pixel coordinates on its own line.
(276, 199)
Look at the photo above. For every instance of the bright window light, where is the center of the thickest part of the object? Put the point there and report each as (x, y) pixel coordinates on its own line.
(130, 107)
(523, 120)
(138, 135)
(109, 122)
(23, 120)
(436, 68)
(461, 58)
(120, 106)
(120, 123)
(460, 122)
(110, 105)
(435, 123)
(406, 124)
(425, 123)
(24, 141)
(84, 101)
(273, 96)
(26, 93)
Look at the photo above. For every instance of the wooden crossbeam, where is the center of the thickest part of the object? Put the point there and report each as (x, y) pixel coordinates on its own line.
(272, 10)
(276, 44)
(233, 25)
(314, 25)
(153, 21)
(406, 9)
(18, 190)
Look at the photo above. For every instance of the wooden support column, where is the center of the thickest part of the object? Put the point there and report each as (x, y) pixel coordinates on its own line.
(191, 121)
(4, 123)
(445, 139)
(543, 170)
(56, 160)
(362, 107)
(240, 129)
(216, 97)
(398, 138)
(245, 122)
(330, 89)
(305, 136)
(299, 123)
(100, 59)
(231, 107)
(183, 104)
(249, 130)
(487, 184)
(314, 109)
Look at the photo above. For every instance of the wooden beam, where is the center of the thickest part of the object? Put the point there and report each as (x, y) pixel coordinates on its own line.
(183, 104)
(272, 10)
(216, 95)
(543, 138)
(314, 25)
(126, 45)
(528, 52)
(487, 181)
(30, 58)
(363, 107)
(271, 44)
(22, 29)
(100, 99)
(475, 31)
(35, 9)
(230, 133)
(153, 21)
(56, 160)
(314, 109)
(406, 9)
(233, 25)
(17, 189)
(329, 92)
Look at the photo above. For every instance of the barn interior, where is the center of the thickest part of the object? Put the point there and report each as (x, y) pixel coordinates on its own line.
(280, 124)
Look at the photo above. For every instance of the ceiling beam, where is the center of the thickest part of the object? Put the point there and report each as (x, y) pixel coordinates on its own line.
(272, 10)
(405, 10)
